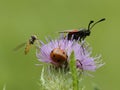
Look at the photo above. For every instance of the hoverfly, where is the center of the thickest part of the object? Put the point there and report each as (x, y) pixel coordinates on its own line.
(30, 42)
(82, 33)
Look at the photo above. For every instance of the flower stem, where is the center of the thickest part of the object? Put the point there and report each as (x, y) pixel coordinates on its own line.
(73, 70)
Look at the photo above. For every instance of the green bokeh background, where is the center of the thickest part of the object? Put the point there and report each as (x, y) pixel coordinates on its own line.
(19, 19)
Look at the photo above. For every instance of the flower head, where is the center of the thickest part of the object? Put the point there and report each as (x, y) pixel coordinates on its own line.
(58, 51)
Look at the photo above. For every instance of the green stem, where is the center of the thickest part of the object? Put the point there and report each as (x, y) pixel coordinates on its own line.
(74, 71)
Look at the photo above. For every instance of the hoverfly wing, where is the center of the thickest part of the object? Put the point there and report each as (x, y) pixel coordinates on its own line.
(19, 46)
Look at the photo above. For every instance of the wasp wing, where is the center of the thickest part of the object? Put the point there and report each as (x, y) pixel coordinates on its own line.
(67, 31)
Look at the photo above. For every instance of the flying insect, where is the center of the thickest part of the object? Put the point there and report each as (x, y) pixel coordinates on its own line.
(27, 45)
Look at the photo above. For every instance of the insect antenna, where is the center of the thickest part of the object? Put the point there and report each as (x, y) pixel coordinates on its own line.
(89, 28)
(90, 24)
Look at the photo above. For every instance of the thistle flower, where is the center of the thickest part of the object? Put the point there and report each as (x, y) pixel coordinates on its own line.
(57, 52)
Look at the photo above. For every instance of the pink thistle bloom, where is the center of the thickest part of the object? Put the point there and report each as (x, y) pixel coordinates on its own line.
(57, 52)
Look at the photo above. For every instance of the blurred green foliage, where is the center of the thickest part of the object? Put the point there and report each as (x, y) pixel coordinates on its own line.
(19, 19)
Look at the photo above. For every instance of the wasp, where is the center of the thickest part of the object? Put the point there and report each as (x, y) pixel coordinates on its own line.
(81, 34)
(30, 42)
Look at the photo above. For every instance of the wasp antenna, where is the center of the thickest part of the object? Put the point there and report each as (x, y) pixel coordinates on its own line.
(90, 24)
(102, 19)
(97, 22)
